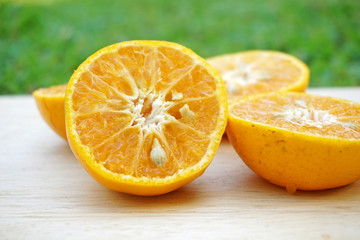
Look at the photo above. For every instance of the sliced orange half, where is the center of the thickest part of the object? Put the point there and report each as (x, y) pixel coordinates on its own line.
(50, 102)
(145, 117)
(260, 71)
(297, 140)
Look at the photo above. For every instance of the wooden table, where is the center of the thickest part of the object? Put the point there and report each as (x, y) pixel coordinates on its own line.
(46, 194)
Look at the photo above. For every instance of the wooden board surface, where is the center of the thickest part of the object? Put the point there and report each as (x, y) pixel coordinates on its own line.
(46, 194)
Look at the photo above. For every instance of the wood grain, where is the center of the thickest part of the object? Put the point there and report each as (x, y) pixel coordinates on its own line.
(46, 194)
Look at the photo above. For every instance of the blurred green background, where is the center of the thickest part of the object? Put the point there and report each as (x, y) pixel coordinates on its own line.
(43, 42)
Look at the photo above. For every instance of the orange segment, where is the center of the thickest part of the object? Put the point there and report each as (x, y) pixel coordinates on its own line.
(50, 102)
(139, 119)
(96, 126)
(259, 71)
(297, 140)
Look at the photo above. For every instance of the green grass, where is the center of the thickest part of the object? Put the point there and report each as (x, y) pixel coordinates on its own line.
(42, 44)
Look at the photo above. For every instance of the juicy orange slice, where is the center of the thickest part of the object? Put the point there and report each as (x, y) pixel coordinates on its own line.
(50, 102)
(145, 117)
(260, 71)
(297, 140)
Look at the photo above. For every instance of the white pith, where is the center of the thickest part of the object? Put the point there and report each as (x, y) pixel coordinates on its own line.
(244, 74)
(303, 114)
(153, 121)
(158, 115)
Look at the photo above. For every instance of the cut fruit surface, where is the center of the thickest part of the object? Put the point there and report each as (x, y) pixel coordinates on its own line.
(259, 71)
(145, 117)
(50, 102)
(297, 140)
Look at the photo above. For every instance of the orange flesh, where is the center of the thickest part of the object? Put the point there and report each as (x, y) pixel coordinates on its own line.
(115, 111)
(315, 115)
(50, 102)
(53, 91)
(255, 72)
